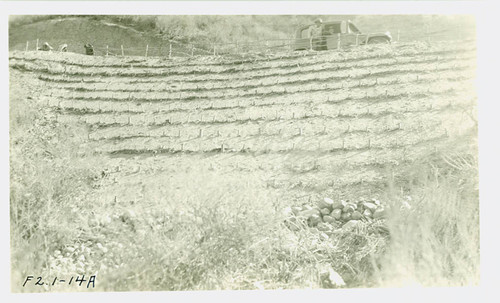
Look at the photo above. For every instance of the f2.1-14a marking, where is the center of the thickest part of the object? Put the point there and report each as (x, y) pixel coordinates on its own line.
(78, 281)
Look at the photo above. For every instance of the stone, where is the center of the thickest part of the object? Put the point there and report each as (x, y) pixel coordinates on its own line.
(351, 224)
(329, 278)
(338, 204)
(326, 203)
(371, 206)
(349, 208)
(356, 215)
(379, 213)
(367, 213)
(325, 211)
(346, 216)
(314, 220)
(328, 219)
(336, 214)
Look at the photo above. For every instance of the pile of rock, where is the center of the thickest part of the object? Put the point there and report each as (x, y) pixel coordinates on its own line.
(329, 214)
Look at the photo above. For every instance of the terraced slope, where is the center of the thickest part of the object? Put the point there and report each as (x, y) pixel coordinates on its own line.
(304, 124)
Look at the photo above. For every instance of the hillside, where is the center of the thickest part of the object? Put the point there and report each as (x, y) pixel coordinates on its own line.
(193, 161)
(135, 32)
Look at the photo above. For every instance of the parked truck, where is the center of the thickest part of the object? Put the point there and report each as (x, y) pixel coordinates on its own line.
(336, 34)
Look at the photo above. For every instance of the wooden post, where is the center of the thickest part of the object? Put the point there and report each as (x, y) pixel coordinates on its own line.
(122, 51)
(27, 45)
(36, 43)
(338, 41)
(107, 50)
(147, 47)
(311, 43)
(170, 51)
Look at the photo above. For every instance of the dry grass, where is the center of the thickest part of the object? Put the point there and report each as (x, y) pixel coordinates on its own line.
(435, 241)
(223, 232)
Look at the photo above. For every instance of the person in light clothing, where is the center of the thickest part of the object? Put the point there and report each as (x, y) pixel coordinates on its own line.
(315, 34)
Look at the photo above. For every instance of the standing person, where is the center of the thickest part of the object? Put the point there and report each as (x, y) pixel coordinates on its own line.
(89, 49)
(315, 34)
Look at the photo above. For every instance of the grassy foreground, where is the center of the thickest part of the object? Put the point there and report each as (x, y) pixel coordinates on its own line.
(224, 233)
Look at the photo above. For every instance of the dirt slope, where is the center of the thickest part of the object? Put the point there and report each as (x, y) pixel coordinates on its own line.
(306, 125)
(78, 31)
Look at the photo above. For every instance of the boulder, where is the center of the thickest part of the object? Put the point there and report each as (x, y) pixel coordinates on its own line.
(314, 220)
(326, 203)
(370, 206)
(336, 214)
(356, 215)
(349, 208)
(328, 219)
(325, 211)
(346, 216)
(329, 278)
(338, 204)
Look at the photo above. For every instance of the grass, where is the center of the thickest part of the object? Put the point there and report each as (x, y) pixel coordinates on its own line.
(435, 242)
(220, 232)
(50, 176)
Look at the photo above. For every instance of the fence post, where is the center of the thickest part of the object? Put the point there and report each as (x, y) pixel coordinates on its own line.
(311, 43)
(107, 50)
(338, 41)
(122, 50)
(27, 45)
(36, 44)
(170, 51)
(147, 47)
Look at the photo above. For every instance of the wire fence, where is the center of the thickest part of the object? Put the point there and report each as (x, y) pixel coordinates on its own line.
(173, 48)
